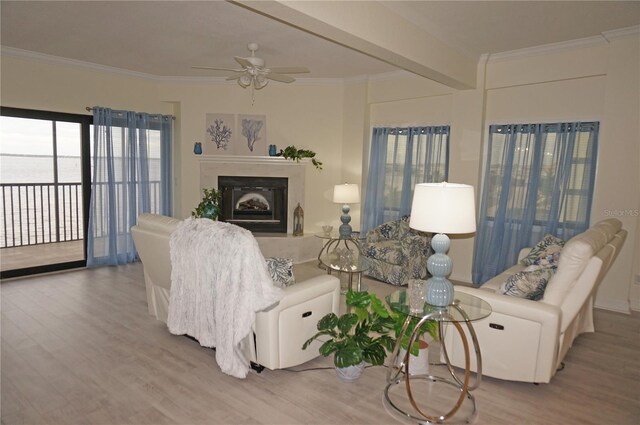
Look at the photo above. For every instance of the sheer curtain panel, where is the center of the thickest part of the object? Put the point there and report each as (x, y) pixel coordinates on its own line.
(401, 158)
(538, 180)
(131, 175)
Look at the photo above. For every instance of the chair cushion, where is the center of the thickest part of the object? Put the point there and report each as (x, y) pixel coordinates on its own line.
(281, 271)
(529, 283)
(544, 251)
(386, 250)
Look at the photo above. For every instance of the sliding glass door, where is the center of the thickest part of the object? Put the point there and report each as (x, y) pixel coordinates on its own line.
(45, 190)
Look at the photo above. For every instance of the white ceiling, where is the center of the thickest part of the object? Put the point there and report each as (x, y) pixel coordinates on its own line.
(165, 38)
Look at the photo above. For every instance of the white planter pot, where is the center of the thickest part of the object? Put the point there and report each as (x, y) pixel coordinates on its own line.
(418, 365)
(350, 373)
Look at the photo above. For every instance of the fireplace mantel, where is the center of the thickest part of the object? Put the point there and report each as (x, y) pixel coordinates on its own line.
(238, 159)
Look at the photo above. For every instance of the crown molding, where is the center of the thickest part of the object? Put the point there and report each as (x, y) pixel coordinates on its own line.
(622, 32)
(597, 40)
(43, 57)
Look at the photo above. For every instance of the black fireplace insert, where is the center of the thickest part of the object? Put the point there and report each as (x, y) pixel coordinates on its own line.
(258, 204)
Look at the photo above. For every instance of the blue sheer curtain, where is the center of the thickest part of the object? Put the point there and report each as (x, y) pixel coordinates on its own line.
(401, 158)
(538, 180)
(131, 175)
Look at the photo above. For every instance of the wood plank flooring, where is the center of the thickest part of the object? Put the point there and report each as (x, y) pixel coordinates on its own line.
(79, 348)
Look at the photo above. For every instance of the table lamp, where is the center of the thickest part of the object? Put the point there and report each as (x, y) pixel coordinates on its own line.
(442, 208)
(345, 194)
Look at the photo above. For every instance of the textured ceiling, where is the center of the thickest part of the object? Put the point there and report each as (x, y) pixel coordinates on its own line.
(165, 38)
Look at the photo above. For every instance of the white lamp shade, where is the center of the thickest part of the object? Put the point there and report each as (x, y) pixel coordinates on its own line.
(443, 208)
(346, 194)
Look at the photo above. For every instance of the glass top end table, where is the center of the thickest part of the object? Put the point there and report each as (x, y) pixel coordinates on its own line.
(474, 308)
(464, 309)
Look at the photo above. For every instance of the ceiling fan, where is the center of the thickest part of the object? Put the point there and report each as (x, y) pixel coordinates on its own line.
(255, 73)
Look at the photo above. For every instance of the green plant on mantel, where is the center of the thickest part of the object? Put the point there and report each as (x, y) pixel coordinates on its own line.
(209, 207)
(295, 154)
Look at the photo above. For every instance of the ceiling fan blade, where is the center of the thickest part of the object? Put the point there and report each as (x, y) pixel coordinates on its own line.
(243, 62)
(280, 77)
(217, 69)
(290, 70)
(235, 77)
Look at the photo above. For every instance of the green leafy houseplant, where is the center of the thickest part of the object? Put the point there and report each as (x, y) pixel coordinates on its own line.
(209, 207)
(361, 335)
(430, 327)
(295, 154)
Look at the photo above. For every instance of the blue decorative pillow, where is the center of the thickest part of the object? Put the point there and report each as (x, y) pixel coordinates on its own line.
(529, 284)
(281, 271)
(545, 253)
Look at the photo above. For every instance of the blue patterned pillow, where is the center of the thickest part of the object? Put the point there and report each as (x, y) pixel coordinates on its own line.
(546, 252)
(281, 271)
(529, 284)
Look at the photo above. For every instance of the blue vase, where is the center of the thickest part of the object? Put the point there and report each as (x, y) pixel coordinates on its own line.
(197, 148)
(210, 212)
(272, 150)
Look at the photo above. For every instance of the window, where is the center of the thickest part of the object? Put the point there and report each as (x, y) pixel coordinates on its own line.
(401, 158)
(539, 179)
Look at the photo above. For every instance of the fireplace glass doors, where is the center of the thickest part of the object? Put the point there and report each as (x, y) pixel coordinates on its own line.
(258, 204)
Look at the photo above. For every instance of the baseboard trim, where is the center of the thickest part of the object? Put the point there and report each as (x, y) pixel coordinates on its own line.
(612, 305)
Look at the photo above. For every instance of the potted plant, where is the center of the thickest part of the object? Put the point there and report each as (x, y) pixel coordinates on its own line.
(419, 350)
(209, 207)
(295, 154)
(360, 336)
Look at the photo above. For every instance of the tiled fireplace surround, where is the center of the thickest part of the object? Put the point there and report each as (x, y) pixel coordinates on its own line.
(299, 248)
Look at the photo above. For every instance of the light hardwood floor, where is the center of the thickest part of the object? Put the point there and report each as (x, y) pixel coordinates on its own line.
(79, 348)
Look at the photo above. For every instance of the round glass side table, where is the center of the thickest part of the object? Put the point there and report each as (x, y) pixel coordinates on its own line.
(464, 309)
(344, 256)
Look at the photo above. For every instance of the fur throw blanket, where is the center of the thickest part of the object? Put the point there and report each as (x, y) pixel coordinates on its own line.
(219, 280)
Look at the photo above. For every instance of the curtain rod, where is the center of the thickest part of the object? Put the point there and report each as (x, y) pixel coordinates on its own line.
(89, 108)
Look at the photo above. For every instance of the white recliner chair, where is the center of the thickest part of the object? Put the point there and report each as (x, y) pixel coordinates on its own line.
(524, 340)
(279, 332)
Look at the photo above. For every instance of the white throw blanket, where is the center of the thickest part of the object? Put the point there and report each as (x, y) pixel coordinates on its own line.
(219, 280)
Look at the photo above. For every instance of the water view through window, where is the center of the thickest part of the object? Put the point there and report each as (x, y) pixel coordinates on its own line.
(41, 204)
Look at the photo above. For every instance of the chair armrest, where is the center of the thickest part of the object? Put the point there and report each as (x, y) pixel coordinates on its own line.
(523, 253)
(417, 250)
(281, 330)
(520, 339)
(536, 311)
(307, 290)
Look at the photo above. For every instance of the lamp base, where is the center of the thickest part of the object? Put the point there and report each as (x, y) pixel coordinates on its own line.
(345, 228)
(439, 289)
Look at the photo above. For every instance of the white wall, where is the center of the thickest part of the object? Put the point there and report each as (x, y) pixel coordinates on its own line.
(307, 116)
(47, 86)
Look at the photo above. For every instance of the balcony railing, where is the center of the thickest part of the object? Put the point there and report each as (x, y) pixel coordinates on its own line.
(40, 213)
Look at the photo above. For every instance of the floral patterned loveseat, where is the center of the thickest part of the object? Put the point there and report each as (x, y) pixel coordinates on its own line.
(396, 252)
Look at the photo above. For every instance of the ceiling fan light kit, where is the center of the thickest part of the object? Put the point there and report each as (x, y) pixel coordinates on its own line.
(255, 74)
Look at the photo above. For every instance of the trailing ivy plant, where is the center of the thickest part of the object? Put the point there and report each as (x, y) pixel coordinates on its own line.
(295, 154)
(209, 207)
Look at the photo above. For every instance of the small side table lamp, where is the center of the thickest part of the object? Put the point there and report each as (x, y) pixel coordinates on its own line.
(345, 194)
(442, 208)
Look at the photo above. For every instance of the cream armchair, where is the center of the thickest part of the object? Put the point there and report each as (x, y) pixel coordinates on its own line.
(279, 332)
(524, 340)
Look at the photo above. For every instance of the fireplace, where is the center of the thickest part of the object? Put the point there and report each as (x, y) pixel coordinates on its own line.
(258, 204)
